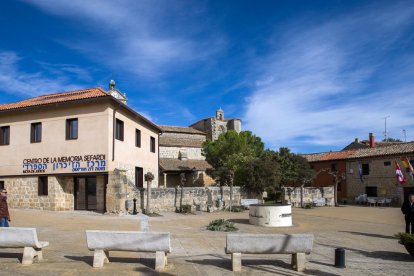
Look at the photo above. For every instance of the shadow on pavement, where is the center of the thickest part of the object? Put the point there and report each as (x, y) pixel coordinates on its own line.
(147, 271)
(384, 255)
(149, 262)
(18, 256)
(243, 221)
(321, 263)
(221, 263)
(319, 273)
(370, 235)
(266, 265)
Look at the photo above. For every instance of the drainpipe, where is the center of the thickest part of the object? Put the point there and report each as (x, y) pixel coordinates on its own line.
(113, 134)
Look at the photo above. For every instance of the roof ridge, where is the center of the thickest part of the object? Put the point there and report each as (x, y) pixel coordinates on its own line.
(66, 96)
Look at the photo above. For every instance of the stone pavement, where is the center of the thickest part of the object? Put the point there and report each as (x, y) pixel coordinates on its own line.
(365, 232)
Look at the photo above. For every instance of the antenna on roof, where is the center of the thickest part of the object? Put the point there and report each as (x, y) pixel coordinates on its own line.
(405, 135)
(385, 131)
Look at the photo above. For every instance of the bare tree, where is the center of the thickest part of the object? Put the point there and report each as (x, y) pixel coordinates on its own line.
(337, 178)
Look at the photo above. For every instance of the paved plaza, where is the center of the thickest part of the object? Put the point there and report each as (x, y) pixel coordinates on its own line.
(365, 232)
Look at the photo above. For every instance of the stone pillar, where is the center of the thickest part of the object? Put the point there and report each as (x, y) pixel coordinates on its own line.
(165, 180)
(116, 191)
(236, 262)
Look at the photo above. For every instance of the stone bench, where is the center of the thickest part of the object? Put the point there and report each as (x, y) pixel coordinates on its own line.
(26, 238)
(296, 244)
(104, 241)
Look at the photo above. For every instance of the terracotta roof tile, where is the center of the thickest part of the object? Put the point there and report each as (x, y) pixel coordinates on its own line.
(170, 164)
(327, 156)
(179, 129)
(180, 142)
(383, 150)
(56, 98)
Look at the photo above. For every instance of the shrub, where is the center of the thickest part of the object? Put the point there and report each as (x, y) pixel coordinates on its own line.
(405, 238)
(308, 206)
(236, 209)
(221, 225)
(185, 209)
(153, 214)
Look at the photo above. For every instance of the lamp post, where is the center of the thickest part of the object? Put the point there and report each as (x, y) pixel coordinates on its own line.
(148, 178)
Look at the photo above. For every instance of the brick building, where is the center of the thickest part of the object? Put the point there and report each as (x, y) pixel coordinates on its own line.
(326, 165)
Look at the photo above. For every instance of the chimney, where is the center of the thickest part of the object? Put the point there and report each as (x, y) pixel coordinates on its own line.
(371, 140)
(356, 140)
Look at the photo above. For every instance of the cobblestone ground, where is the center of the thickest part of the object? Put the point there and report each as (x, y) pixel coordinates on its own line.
(366, 233)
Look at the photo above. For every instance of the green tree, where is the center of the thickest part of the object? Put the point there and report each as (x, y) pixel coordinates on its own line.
(391, 140)
(260, 173)
(230, 152)
(294, 169)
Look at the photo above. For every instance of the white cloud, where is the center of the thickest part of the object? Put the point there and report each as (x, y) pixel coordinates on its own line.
(330, 83)
(146, 38)
(18, 82)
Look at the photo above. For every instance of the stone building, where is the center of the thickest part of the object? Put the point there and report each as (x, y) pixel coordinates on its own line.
(77, 150)
(214, 126)
(376, 161)
(378, 172)
(181, 152)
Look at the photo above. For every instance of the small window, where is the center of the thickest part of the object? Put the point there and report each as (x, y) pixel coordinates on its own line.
(152, 144)
(138, 138)
(71, 129)
(333, 167)
(387, 163)
(42, 186)
(36, 133)
(365, 169)
(1, 185)
(119, 130)
(4, 135)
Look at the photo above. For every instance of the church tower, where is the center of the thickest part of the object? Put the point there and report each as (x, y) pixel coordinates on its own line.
(219, 114)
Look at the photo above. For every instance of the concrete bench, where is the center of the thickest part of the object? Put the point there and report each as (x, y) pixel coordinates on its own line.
(26, 238)
(104, 241)
(296, 244)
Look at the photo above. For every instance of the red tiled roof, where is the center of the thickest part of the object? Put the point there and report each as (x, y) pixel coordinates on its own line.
(57, 98)
(390, 150)
(327, 156)
(179, 129)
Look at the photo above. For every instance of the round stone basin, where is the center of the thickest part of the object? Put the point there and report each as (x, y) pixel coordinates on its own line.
(276, 215)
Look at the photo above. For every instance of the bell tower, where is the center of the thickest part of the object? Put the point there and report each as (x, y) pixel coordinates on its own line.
(219, 114)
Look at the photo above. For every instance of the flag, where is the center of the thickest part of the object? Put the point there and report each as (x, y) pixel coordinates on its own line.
(360, 172)
(404, 161)
(399, 174)
(410, 167)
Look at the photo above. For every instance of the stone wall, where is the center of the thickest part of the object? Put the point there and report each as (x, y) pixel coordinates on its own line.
(174, 180)
(381, 176)
(292, 195)
(200, 198)
(23, 193)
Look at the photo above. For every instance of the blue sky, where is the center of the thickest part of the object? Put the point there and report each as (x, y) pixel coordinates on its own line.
(308, 75)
